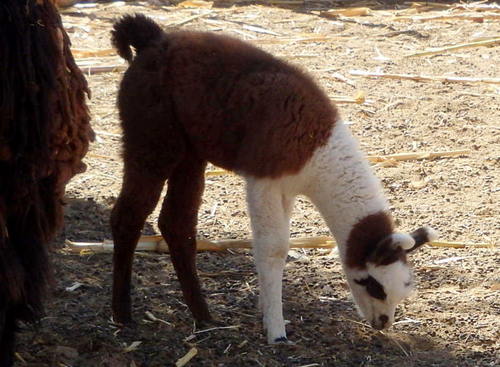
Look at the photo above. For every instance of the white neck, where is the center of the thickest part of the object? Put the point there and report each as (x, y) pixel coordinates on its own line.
(342, 185)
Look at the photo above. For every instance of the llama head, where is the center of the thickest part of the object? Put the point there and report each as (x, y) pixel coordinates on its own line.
(387, 278)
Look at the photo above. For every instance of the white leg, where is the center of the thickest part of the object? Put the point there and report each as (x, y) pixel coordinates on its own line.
(269, 209)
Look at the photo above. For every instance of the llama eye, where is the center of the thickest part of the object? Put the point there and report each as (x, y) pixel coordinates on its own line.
(409, 282)
(373, 287)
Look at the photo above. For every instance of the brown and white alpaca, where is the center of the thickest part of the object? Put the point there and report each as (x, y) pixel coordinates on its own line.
(189, 98)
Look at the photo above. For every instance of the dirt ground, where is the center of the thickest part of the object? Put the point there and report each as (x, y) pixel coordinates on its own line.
(453, 319)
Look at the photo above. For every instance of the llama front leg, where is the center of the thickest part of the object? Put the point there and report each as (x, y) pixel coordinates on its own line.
(269, 212)
(177, 223)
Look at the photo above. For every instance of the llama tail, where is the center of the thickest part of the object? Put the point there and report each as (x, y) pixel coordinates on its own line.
(136, 30)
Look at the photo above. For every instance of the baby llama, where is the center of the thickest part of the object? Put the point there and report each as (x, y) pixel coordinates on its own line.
(189, 98)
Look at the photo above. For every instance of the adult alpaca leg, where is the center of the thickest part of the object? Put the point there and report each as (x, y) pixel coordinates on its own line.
(139, 195)
(270, 208)
(7, 336)
(177, 224)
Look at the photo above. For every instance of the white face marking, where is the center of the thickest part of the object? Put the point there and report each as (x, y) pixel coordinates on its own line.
(396, 280)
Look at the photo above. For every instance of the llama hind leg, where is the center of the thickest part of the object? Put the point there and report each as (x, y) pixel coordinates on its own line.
(177, 223)
(269, 210)
(139, 195)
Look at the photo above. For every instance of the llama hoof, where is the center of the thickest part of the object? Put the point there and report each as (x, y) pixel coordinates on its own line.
(205, 324)
(283, 340)
(131, 324)
(124, 321)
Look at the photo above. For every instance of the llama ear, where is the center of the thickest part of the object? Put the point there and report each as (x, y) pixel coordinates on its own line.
(403, 240)
(422, 236)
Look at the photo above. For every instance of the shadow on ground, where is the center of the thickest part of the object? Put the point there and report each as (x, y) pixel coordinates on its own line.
(78, 331)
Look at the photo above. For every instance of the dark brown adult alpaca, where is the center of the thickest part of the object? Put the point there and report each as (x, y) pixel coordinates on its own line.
(192, 97)
(44, 134)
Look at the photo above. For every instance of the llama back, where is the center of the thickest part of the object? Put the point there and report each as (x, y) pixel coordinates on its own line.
(242, 108)
(239, 107)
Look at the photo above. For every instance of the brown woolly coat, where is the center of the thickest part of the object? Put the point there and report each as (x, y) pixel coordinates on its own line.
(44, 134)
(210, 89)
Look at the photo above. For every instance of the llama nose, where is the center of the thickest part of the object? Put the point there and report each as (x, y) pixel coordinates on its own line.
(380, 323)
(384, 319)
